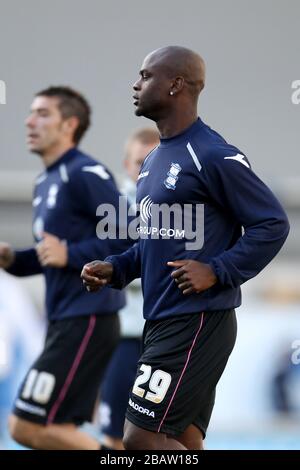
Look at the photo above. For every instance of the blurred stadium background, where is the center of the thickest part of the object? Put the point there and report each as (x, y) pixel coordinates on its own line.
(252, 57)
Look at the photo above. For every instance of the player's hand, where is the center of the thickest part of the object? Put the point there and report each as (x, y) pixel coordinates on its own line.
(7, 255)
(192, 276)
(52, 251)
(96, 275)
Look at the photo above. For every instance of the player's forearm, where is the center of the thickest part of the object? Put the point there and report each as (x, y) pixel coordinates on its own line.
(81, 253)
(25, 263)
(127, 267)
(252, 252)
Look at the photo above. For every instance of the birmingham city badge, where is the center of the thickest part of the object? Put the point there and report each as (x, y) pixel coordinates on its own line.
(172, 176)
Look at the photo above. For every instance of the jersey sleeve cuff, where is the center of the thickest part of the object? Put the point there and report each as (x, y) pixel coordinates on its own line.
(117, 281)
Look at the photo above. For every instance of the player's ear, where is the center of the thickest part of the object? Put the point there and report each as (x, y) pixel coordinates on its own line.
(176, 85)
(71, 124)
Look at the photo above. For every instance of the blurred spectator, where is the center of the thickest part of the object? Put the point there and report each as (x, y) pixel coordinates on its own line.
(20, 342)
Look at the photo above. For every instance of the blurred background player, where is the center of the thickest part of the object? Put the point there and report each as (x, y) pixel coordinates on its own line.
(60, 389)
(120, 374)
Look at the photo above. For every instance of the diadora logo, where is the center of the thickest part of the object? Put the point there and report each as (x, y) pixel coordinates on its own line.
(97, 170)
(143, 174)
(145, 208)
(141, 409)
(239, 158)
(172, 176)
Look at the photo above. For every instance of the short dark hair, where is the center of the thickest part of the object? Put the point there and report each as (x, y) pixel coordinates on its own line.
(145, 135)
(71, 103)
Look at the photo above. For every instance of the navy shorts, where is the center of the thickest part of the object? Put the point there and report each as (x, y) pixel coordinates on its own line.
(182, 361)
(63, 384)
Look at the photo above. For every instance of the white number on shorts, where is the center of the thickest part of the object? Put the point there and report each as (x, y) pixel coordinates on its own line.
(141, 379)
(159, 384)
(38, 386)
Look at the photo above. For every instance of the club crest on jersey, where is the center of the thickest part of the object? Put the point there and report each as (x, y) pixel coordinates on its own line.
(172, 176)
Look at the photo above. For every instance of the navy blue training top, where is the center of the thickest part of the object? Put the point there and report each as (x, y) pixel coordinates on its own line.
(240, 224)
(66, 197)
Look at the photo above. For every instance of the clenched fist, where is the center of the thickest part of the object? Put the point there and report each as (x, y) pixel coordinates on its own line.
(96, 275)
(52, 251)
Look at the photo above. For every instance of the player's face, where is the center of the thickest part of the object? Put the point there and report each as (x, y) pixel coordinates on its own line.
(45, 125)
(151, 90)
(137, 153)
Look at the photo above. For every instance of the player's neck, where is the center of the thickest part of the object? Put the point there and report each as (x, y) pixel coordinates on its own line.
(176, 122)
(54, 154)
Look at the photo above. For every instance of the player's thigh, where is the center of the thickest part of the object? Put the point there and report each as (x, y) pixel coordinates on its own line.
(191, 438)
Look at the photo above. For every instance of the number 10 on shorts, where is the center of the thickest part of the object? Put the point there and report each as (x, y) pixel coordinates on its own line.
(38, 386)
(158, 384)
